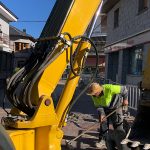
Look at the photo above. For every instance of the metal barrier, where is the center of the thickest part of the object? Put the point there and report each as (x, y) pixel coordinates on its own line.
(134, 95)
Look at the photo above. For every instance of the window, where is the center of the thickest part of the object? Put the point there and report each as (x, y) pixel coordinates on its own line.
(143, 4)
(136, 60)
(116, 18)
(16, 46)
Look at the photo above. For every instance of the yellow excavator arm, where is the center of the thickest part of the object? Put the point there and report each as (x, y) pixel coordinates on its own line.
(34, 123)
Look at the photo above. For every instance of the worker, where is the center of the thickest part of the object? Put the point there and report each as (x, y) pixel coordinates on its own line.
(106, 99)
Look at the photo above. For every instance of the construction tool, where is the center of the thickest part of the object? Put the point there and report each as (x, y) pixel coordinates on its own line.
(69, 143)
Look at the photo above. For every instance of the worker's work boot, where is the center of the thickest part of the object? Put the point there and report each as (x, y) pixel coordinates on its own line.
(101, 144)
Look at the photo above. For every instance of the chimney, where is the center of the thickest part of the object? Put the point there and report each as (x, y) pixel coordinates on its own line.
(24, 30)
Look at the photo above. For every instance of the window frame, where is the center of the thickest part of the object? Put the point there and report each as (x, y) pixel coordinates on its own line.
(142, 6)
(135, 70)
(116, 18)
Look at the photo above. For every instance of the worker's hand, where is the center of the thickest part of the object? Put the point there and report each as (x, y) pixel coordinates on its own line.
(125, 102)
(102, 118)
(125, 105)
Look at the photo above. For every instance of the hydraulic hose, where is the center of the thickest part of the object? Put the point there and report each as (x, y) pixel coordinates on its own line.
(28, 75)
(73, 101)
(92, 78)
(43, 66)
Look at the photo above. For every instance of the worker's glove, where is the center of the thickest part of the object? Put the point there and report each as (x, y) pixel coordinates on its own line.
(125, 102)
(102, 118)
(125, 105)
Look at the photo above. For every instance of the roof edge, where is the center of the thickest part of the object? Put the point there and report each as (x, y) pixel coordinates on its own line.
(108, 5)
(9, 11)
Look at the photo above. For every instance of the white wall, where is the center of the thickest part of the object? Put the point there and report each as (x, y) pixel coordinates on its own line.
(4, 25)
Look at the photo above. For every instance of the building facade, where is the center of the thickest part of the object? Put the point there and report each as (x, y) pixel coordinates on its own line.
(98, 36)
(6, 52)
(128, 39)
(22, 45)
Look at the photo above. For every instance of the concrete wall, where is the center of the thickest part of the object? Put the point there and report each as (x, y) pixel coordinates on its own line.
(133, 79)
(4, 25)
(130, 21)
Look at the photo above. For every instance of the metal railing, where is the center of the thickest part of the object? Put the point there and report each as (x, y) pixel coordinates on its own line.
(134, 95)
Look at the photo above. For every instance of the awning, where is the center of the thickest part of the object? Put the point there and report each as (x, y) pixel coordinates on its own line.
(136, 39)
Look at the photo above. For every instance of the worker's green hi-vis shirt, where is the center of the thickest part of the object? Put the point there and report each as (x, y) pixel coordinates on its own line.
(109, 90)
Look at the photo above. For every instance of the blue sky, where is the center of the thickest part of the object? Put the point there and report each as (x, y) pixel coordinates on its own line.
(30, 10)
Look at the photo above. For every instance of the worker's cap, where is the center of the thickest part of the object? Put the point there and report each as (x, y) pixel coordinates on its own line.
(94, 88)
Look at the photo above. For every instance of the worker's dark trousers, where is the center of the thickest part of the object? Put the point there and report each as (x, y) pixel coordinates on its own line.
(114, 138)
(116, 119)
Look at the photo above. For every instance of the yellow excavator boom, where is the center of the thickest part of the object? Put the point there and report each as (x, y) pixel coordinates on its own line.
(38, 123)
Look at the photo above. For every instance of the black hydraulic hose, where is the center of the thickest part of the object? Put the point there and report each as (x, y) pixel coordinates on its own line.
(36, 78)
(21, 77)
(51, 54)
(92, 78)
(73, 101)
(15, 81)
(47, 62)
(27, 81)
(71, 57)
(13, 85)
